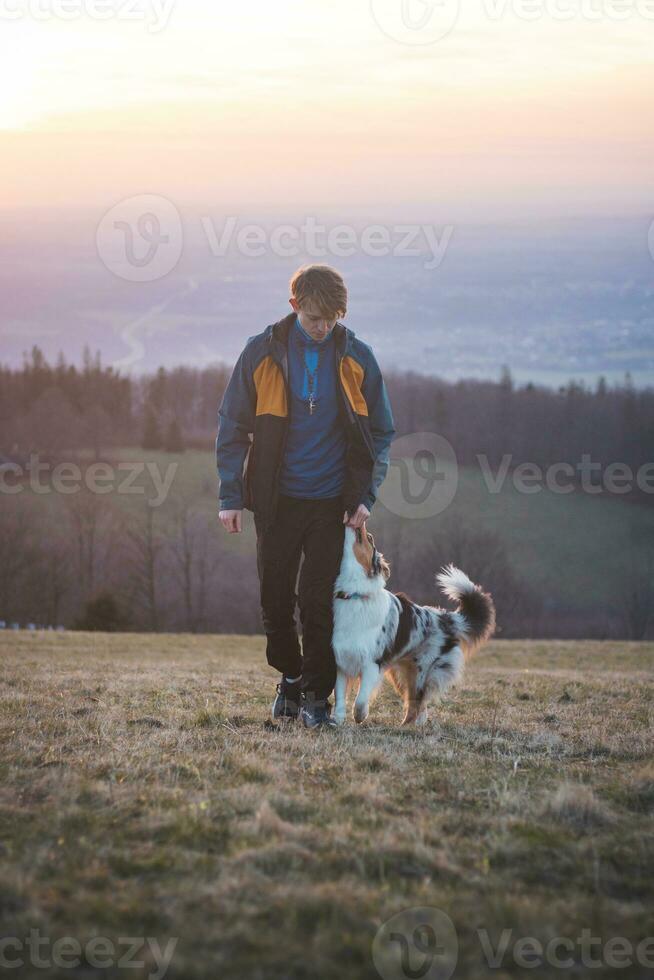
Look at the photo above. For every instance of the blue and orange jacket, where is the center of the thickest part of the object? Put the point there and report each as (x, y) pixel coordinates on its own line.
(253, 422)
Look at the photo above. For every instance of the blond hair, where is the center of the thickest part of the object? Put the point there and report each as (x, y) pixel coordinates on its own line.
(321, 285)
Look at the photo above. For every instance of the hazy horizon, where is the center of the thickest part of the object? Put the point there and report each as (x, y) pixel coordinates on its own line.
(567, 299)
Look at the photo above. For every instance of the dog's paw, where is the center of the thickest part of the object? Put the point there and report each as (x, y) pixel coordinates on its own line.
(360, 713)
(339, 718)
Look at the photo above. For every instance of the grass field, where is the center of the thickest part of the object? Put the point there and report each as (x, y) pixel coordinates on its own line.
(144, 794)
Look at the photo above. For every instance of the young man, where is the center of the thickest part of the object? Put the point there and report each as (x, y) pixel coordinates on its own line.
(312, 397)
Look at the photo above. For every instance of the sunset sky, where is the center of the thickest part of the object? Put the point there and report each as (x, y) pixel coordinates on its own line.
(298, 104)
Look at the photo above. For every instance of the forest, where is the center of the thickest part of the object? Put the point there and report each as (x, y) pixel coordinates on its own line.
(85, 558)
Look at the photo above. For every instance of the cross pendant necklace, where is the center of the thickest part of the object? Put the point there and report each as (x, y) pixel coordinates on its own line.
(311, 379)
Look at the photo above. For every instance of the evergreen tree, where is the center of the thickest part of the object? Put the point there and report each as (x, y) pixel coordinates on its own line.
(151, 434)
(174, 441)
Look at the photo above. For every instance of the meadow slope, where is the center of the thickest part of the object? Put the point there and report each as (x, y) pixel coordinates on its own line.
(144, 793)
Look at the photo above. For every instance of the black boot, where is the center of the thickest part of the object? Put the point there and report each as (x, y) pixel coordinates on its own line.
(287, 703)
(316, 714)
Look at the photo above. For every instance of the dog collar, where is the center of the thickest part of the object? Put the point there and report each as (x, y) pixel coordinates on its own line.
(351, 595)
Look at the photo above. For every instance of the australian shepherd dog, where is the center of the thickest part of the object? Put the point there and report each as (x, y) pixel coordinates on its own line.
(377, 633)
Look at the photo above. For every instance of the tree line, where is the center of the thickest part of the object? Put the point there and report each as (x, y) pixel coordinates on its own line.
(89, 560)
(60, 407)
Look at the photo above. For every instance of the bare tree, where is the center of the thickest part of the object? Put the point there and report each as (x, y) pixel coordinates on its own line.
(636, 597)
(57, 575)
(92, 520)
(184, 550)
(194, 557)
(145, 543)
(18, 552)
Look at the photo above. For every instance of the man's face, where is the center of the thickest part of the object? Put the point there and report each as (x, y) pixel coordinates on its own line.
(316, 324)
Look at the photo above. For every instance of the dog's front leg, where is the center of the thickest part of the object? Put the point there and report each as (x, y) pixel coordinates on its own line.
(340, 697)
(369, 681)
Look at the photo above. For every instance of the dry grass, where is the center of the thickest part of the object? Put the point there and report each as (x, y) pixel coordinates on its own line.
(144, 794)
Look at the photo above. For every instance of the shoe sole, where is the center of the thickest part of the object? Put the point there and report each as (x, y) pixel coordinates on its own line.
(284, 717)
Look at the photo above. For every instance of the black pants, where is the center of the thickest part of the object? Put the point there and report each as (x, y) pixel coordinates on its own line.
(315, 528)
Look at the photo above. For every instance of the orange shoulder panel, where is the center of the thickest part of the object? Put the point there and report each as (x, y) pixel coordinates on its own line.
(271, 392)
(352, 378)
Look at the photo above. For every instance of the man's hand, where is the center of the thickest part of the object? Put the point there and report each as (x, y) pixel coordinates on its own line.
(359, 517)
(231, 520)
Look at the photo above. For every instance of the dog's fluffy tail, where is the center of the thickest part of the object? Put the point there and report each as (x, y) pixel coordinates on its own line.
(475, 616)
